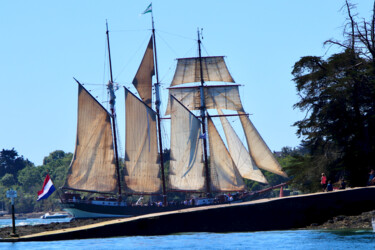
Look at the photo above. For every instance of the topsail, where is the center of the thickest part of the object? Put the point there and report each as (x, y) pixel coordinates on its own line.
(213, 68)
(215, 97)
(143, 79)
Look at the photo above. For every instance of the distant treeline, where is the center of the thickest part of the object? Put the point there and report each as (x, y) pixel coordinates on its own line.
(20, 174)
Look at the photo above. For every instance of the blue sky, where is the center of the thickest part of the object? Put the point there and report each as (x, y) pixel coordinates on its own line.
(44, 44)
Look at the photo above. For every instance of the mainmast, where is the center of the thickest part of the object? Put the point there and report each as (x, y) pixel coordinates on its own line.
(157, 107)
(203, 115)
(112, 102)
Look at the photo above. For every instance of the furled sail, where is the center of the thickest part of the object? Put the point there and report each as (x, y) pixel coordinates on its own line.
(143, 79)
(224, 174)
(245, 165)
(216, 97)
(258, 149)
(214, 69)
(141, 153)
(93, 165)
(186, 164)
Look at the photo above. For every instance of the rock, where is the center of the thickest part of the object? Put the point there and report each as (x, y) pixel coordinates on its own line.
(362, 221)
(339, 218)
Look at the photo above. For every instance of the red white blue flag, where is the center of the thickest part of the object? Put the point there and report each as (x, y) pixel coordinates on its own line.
(47, 190)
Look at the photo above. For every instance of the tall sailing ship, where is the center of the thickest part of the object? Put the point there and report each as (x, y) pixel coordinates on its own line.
(200, 161)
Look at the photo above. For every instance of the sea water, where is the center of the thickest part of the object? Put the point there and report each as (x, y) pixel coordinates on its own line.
(291, 239)
(33, 221)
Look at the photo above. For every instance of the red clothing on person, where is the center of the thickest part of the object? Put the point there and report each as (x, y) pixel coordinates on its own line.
(323, 180)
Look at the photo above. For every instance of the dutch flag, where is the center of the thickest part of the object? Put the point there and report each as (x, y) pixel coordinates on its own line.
(47, 190)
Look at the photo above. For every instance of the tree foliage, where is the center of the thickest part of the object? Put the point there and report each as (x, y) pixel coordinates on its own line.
(21, 175)
(338, 96)
(11, 163)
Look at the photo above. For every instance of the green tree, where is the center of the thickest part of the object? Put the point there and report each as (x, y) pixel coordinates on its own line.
(8, 180)
(57, 165)
(11, 163)
(55, 155)
(30, 179)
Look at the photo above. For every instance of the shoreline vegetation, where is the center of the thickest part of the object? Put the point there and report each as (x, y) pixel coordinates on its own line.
(361, 221)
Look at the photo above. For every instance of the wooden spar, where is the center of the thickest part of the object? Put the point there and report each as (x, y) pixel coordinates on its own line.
(157, 106)
(112, 104)
(203, 115)
(229, 115)
(214, 116)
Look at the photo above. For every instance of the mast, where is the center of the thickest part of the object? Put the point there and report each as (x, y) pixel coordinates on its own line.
(157, 106)
(112, 102)
(203, 115)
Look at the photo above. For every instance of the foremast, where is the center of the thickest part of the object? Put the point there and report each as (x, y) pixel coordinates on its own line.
(112, 103)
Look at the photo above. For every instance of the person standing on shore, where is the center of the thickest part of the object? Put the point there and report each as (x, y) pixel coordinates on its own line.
(342, 184)
(329, 186)
(323, 181)
(371, 179)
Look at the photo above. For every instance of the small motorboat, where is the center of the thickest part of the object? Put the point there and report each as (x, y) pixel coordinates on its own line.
(54, 216)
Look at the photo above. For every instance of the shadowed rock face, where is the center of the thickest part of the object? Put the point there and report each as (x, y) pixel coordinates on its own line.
(362, 221)
(271, 214)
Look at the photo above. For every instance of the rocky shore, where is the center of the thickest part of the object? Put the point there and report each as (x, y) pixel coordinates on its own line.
(33, 229)
(362, 221)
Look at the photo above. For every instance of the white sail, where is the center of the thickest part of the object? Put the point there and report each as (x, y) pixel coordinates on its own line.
(186, 165)
(246, 166)
(93, 166)
(141, 154)
(258, 149)
(214, 69)
(216, 97)
(224, 174)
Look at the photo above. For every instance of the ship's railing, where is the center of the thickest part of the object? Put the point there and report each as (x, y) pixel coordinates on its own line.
(97, 202)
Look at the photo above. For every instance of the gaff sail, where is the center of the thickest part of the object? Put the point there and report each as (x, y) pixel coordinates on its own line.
(93, 166)
(141, 152)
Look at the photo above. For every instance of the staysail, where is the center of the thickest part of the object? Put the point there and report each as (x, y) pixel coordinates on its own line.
(141, 154)
(246, 166)
(143, 79)
(93, 165)
(186, 164)
(259, 151)
(214, 69)
(216, 97)
(224, 174)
